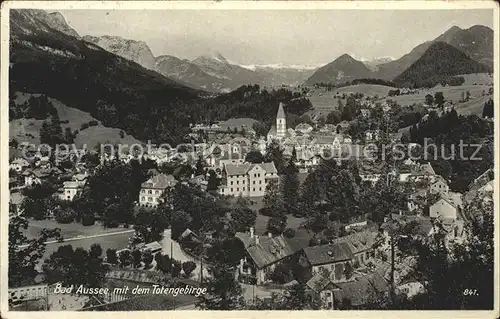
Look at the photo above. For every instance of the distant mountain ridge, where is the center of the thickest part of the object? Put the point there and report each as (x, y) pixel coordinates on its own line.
(137, 51)
(188, 72)
(440, 60)
(118, 92)
(342, 69)
(476, 41)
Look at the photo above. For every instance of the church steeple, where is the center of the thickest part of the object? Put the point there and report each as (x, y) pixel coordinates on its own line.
(280, 122)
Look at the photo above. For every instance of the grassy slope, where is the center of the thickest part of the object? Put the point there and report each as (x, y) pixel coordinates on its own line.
(19, 129)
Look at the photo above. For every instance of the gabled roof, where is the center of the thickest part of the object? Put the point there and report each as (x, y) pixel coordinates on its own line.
(269, 250)
(318, 282)
(160, 181)
(362, 290)
(242, 169)
(330, 253)
(342, 248)
(70, 184)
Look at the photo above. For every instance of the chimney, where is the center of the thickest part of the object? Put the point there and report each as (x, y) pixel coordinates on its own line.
(256, 239)
(251, 232)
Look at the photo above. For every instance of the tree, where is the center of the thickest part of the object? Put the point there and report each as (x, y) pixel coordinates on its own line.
(125, 258)
(260, 129)
(276, 224)
(333, 117)
(180, 222)
(223, 291)
(64, 215)
(176, 268)
(488, 109)
(38, 202)
(200, 166)
(290, 188)
(147, 259)
(111, 256)
(439, 98)
(254, 157)
(23, 260)
(274, 153)
(137, 258)
(289, 233)
(429, 99)
(242, 216)
(212, 182)
(273, 200)
(75, 267)
(188, 267)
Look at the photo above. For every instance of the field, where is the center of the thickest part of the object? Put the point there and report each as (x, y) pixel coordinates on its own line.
(71, 230)
(23, 129)
(451, 93)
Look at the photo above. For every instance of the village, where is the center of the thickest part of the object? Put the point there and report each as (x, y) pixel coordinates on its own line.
(352, 266)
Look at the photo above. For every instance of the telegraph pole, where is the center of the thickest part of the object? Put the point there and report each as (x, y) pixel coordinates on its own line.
(392, 269)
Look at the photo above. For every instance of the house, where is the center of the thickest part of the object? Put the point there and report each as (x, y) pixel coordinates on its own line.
(439, 186)
(15, 201)
(18, 164)
(365, 112)
(247, 179)
(153, 189)
(445, 208)
(32, 177)
(70, 190)
(364, 289)
(357, 222)
(371, 136)
(417, 200)
(355, 249)
(263, 254)
(304, 128)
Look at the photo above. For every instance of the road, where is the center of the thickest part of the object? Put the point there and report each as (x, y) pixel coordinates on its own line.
(249, 291)
(173, 249)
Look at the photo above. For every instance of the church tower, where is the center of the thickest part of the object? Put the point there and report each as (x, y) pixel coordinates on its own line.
(280, 122)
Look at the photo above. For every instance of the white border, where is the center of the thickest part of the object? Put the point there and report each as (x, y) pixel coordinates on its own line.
(233, 5)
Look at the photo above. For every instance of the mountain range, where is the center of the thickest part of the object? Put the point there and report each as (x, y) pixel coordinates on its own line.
(46, 58)
(214, 73)
(476, 42)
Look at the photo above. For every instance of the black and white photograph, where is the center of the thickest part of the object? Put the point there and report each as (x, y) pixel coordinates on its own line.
(254, 156)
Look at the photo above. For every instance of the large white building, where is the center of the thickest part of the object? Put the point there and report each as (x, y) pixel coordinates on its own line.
(247, 180)
(153, 189)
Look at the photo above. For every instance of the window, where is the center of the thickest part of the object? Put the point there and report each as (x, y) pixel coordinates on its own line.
(157, 192)
(237, 182)
(150, 199)
(143, 191)
(231, 182)
(254, 182)
(150, 191)
(260, 182)
(237, 189)
(260, 188)
(231, 189)
(142, 198)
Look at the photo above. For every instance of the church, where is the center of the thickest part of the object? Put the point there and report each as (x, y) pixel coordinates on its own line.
(278, 131)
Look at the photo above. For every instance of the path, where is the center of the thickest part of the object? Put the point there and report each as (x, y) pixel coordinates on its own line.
(251, 291)
(173, 249)
(84, 237)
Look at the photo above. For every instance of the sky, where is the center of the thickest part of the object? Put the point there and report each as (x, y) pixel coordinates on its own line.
(291, 37)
